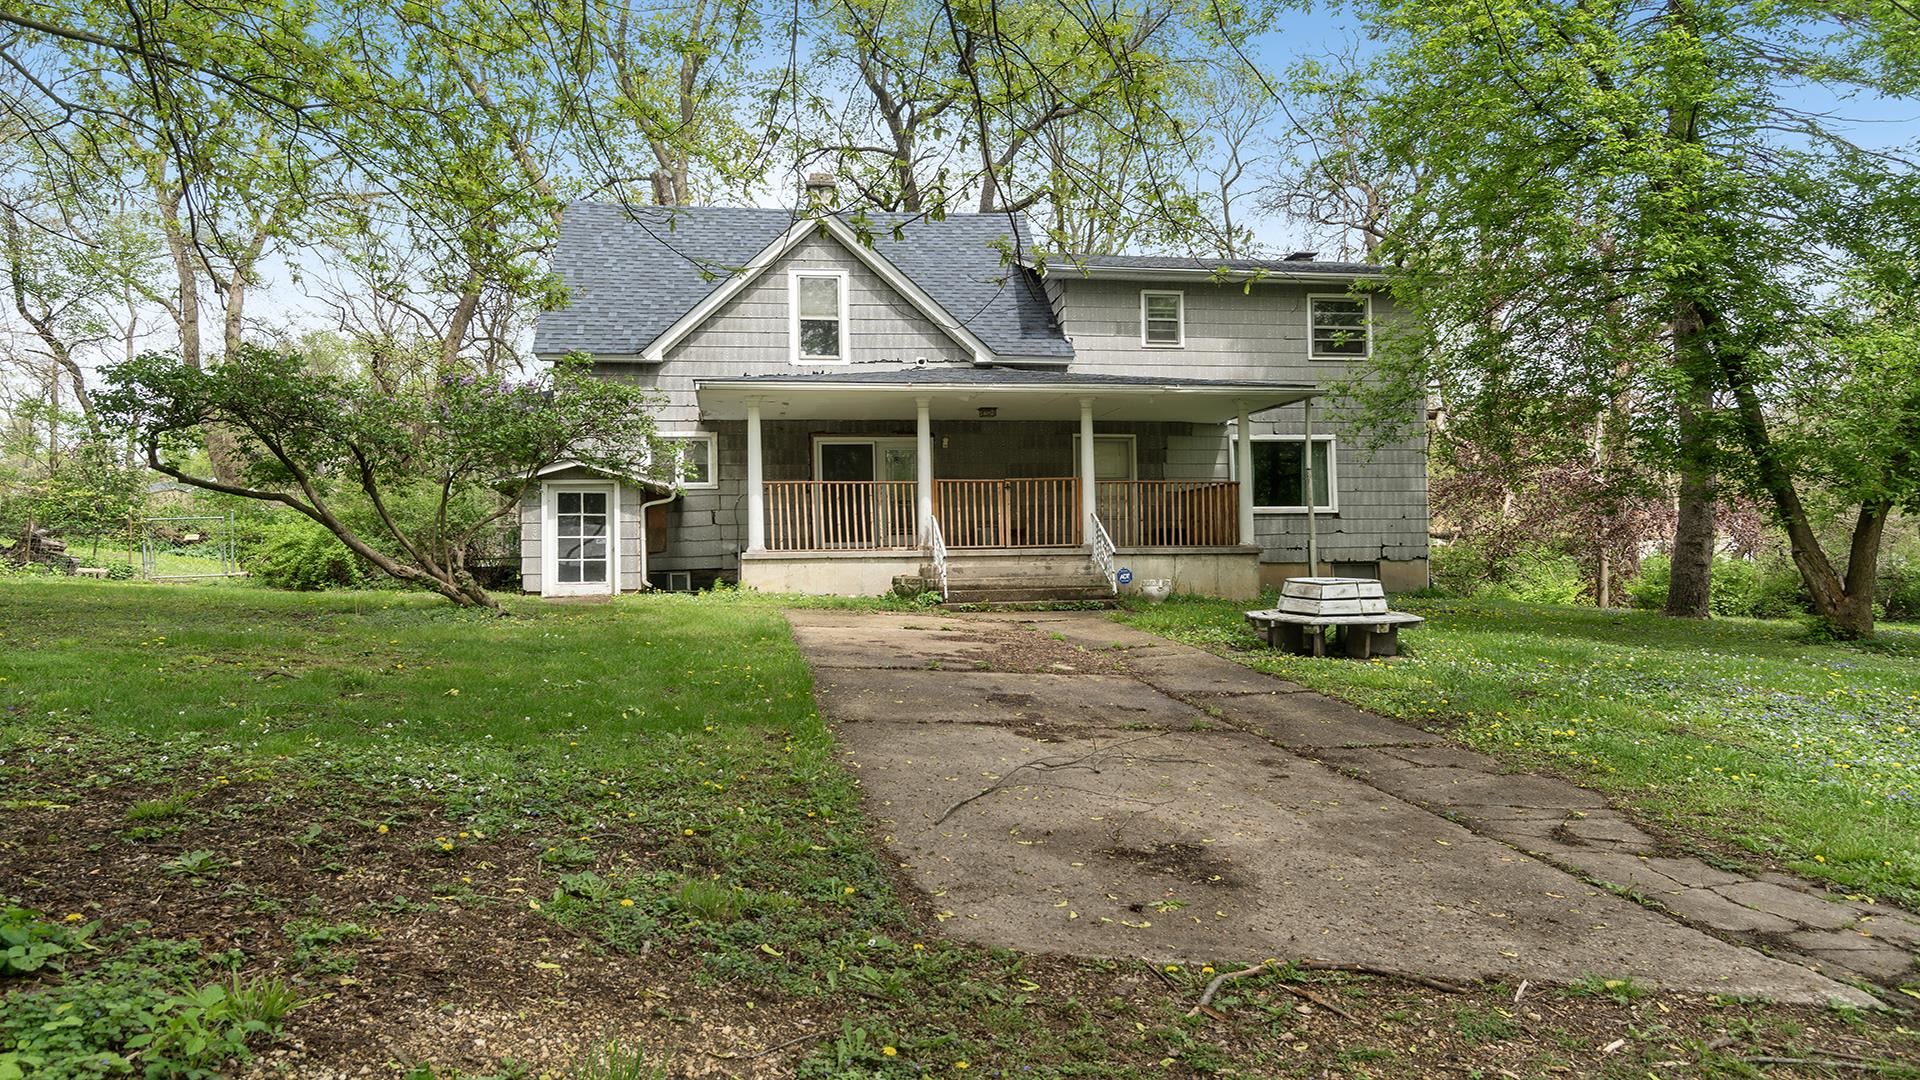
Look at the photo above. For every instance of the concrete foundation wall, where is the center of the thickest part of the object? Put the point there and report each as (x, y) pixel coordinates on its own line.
(828, 573)
(1230, 575)
(1397, 575)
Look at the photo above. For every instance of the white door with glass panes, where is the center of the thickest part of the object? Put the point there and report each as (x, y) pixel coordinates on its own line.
(859, 515)
(581, 537)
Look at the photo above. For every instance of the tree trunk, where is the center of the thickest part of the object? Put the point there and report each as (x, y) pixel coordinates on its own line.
(1691, 586)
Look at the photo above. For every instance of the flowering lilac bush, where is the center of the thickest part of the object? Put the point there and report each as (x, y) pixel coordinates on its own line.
(434, 462)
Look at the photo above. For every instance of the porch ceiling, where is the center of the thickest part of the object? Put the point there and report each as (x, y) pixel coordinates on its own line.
(1058, 397)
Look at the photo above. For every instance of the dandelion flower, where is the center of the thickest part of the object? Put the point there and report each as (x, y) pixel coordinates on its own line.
(382, 830)
(76, 917)
(890, 1051)
(963, 1063)
(626, 902)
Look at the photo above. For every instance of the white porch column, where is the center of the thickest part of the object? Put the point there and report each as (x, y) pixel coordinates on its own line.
(1243, 472)
(1087, 503)
(756, 483)
(923, 458)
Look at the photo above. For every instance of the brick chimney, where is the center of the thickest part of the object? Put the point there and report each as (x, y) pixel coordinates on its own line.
(822, 192)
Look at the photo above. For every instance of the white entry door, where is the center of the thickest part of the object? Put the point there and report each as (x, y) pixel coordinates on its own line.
(583, 539)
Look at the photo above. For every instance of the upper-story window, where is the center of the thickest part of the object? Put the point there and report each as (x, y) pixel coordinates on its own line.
(1342, 327)
(818, 300)
(1163, 319)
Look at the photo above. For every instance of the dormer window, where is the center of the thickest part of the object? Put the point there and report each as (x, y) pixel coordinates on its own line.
(818, 300)
(1163, 319)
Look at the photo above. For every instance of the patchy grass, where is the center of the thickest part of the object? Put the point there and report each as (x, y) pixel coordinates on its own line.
(299, 834)
(1737, 733)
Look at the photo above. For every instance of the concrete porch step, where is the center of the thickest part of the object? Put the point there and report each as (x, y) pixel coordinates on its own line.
(1027, 593)
(1039, 571)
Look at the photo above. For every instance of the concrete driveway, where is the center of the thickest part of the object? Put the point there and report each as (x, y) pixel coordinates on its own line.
(1058, 782)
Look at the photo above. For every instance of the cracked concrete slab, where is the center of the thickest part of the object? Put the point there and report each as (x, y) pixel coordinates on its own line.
(1114, 836)
(1304, 721)
(1196, 674)
(1047, 705)
(1792, 904)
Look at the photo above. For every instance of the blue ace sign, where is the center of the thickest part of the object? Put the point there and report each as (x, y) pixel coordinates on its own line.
(1124, 576)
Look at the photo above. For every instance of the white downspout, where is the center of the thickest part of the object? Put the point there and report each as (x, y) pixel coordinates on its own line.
(1313, 531)
(646, 583)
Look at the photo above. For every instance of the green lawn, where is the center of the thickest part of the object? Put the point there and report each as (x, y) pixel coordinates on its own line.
(614, 841)
(1746, 736)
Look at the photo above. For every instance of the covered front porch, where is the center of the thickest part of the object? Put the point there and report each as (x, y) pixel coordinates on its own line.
(855, 478)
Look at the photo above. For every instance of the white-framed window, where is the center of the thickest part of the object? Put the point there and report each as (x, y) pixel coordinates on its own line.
(695, 455)
(1280, 474)
(817, 300)
(1340, 327)
(1163, 318)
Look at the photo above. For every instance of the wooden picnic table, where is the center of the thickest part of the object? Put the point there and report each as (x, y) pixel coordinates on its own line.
(1359, 636)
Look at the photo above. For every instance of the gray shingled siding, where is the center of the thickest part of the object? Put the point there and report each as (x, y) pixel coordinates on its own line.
(1262, 334)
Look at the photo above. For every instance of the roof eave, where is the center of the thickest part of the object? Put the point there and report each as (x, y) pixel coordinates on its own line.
(1188, 273)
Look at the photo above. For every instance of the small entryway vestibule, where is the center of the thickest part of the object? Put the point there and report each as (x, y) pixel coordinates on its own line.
(582, 539)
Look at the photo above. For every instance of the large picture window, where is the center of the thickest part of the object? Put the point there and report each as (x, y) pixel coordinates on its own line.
(1280, 475)
(1341, 327)
(818, 299)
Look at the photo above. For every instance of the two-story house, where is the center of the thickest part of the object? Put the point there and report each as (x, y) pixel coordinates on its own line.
(935, 401)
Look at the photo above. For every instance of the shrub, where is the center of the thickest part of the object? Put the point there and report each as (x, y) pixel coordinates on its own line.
(298, 554)
(1747, 588)
(1459, 568)
(1899, 585)
(1541, 576)
(1649, 590)
(1756, 589)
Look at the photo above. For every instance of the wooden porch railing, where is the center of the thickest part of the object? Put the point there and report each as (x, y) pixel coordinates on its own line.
(1170, 513)
(1024, 512)
(856, 515)
(840, 515)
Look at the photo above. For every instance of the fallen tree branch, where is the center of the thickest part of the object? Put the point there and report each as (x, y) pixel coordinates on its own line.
(1206, 996)
(1427, 981)
(1307, 995)
(1825, 1063)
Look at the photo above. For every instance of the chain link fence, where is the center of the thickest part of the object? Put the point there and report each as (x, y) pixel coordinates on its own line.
(188, 546)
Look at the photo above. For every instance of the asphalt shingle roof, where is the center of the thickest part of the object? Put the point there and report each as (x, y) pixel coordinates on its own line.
(631, 271)
(1067, 265)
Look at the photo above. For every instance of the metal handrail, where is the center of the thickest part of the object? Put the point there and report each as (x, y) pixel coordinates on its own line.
(1102, 551)
(937, 547)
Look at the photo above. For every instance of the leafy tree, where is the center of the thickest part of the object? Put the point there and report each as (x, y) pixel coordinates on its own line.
(1629, 198)
(304, 437)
